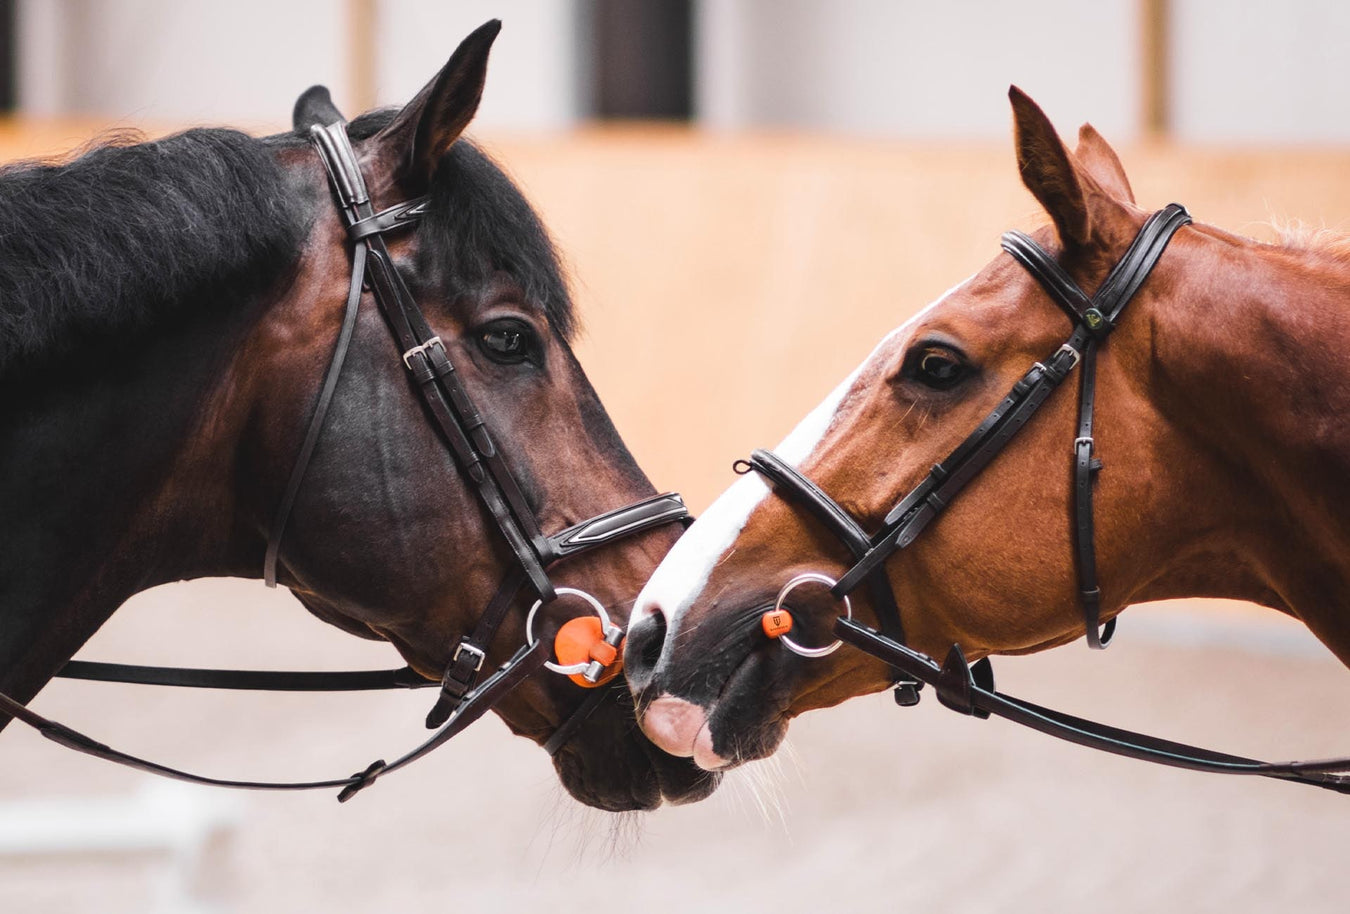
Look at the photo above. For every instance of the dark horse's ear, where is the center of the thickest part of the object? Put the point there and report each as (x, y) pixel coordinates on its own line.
(315, 106)
(1049, 172)
(428, 125)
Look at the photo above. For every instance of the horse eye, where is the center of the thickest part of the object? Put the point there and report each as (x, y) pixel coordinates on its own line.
(940, 369)
(507, 342)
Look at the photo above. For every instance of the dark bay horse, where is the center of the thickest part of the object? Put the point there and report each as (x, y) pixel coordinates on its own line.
(167, 313)
(1218, 463)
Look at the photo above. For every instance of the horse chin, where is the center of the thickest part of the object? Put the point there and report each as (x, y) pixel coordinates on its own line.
(610, 765)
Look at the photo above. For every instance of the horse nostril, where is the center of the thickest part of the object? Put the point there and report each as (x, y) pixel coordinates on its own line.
(646, 641)
(654, 639)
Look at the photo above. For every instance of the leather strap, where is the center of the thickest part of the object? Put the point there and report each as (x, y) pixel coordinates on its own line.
(395, 217)
(961, 689)
(426, 359)
(787, 478)
(578, 717)
(1085, 467)
(525, 662)
(246, 680)
(467, 658)
(1097, 317)
(934, 493)
(630, 520)
(1063, 290)
(810, 496)
(316, 419)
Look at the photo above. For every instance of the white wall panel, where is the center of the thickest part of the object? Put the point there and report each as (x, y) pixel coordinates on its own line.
(1261, 70)
(915, 67)
(241, 61)
(1241, 70)
(533, 79)
(245, 61)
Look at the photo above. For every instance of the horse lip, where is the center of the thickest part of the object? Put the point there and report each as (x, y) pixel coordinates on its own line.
(666, 777)
(663, 764)
(734, 689)
(767, 718)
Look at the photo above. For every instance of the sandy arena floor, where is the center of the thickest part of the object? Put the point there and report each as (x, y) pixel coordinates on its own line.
(872, 809)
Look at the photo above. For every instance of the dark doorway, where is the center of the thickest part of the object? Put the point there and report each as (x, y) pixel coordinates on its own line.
(642, 59)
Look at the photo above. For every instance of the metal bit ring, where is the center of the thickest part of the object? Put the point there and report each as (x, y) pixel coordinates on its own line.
(812, 577)
(605, 625)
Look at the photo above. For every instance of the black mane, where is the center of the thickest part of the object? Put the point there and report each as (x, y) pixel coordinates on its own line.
(108, 242)
(111, 241)
(479, 223)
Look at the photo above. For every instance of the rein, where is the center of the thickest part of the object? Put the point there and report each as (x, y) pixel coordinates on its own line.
(969, 688)
(462, 698)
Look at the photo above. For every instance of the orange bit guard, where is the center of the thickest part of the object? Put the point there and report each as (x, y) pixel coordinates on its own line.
(582, 640)
(776, 622)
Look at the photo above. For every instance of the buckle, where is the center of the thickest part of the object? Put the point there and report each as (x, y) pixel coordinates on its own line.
(1079, 442)
(1077, 356)
(418, 350)
(477, 653)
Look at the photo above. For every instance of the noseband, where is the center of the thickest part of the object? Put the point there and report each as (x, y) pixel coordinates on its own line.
(462, 699)
(969, 688)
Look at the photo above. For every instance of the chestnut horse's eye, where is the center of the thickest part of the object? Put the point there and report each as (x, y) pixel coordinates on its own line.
(937, 367)
(508, 342)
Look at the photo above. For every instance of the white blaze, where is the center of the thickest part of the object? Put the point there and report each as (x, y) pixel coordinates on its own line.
(680, 578)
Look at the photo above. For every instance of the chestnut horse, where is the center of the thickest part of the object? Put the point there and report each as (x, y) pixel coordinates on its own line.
(167, 313)
(1222, 423)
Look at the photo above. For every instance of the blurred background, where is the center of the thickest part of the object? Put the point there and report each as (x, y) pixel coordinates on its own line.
(749, 194)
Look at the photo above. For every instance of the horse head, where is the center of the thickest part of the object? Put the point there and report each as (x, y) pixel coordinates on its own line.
(995, 569)
(384, 533)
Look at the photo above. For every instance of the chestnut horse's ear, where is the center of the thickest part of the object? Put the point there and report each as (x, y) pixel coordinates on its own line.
(315, 106)
(1048, 170)
(428, 125)
(1097, 157)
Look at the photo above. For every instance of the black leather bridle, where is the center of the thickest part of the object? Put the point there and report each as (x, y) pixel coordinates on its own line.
(462, 698)
(969, 688)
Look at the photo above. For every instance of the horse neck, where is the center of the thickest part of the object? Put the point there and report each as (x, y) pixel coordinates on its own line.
(1251, 377)
(116, 473)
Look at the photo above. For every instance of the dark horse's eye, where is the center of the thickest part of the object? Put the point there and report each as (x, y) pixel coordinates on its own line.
(937, 367)
(508, 342)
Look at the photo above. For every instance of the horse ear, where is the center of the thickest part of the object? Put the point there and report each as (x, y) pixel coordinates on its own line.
(430, 124)
(1097, 157)
(1048, 171)
(315, 106)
